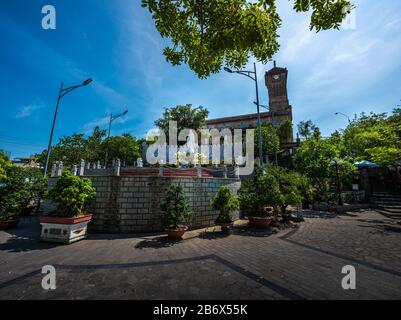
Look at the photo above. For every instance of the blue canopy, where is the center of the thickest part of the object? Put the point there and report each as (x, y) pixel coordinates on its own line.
(366, 164)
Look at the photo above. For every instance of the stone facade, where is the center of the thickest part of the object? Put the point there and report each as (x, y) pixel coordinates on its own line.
(279, 107)
(132, 203)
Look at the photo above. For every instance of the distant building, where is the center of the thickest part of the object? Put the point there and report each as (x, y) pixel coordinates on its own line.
(24, 162)
(279, 110)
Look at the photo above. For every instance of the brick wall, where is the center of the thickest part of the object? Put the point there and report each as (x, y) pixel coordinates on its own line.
(132, 204)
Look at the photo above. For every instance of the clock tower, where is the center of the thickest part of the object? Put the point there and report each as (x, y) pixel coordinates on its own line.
(280, 109)
(276, 82)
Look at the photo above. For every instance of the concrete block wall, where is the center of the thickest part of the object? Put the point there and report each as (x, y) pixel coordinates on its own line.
(132, 204)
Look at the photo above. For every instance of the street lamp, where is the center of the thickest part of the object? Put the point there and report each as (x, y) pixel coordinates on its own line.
(272, 123)
(262, 106)
(268, 109)
(112, 118)
(337, 163)
(63, 91)
(343, 114)
(253, 75)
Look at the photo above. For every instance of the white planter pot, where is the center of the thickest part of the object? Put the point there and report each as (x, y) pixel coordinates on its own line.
(64, 230)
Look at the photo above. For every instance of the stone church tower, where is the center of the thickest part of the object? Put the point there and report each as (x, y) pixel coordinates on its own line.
(280, 110)
(279, 106)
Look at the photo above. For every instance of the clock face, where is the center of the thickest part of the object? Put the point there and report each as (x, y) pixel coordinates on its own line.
(276, 77)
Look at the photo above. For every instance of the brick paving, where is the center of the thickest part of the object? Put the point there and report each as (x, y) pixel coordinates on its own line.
(304, 262)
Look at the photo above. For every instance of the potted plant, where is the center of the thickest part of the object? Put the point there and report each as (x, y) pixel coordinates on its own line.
(258, 193)
(225, 201)
(176, 211)
(19, 187)
(68, 223)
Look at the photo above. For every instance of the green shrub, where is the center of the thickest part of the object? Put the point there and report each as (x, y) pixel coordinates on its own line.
(71, 193)
(290, 185)
(19, 187)
(4, 164)
(225, 201)
(175, 207)
(275, 187)
(261, 191)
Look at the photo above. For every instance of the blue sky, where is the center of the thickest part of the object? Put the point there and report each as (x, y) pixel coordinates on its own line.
(116, 44)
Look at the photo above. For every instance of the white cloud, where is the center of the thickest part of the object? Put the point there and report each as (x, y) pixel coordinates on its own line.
(341, 70)
(27, 111)
(300, 40)
(103, 124)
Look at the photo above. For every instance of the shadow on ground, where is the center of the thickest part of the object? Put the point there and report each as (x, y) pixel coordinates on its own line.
(157, 243)
(310, 214)
(26, 237)
(242, 230)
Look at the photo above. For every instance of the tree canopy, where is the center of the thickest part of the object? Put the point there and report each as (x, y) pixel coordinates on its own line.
(4, 164)
(306, 128)
(125, 148)
(186, 116)
(270, 140)
(374, 137)
(206, 34)
(315, 157)
(19, 186)
(72, 149)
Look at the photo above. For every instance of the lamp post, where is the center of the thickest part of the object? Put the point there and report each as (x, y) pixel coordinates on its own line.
(268, 109)
(343, 114)
(112, 118)
(253, 75)
(62, 92)
(272, 122)
(337, 163)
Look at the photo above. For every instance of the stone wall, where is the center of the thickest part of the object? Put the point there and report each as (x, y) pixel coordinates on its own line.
(132, 204)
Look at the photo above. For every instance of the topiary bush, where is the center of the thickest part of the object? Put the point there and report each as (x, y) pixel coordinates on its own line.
(225, 201)
(291, 184)
(71, 193)
(261, 191)
(275, 187)
(175, 207)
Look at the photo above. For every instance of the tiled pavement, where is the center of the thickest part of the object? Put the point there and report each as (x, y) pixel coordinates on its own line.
(300, 263)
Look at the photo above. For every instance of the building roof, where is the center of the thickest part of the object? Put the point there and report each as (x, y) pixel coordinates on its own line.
(250, 116)
(22, 160)
(237, 118)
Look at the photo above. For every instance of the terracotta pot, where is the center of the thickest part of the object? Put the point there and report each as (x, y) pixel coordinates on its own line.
(259, 222)
(8, 224)
(332, 208)
(62, 220)
(225, 226)
(175, 234)
(64, 230)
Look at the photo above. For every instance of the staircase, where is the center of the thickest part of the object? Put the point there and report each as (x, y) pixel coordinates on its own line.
(387, 204)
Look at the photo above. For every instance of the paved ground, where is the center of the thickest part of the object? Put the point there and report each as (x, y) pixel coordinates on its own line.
(299, 263)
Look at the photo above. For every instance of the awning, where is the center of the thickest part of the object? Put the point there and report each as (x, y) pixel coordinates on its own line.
(365, 163)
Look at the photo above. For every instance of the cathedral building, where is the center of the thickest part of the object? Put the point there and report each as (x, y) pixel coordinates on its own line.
(279, 110)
